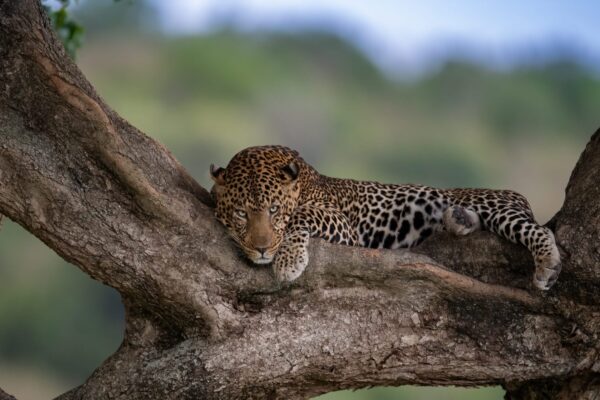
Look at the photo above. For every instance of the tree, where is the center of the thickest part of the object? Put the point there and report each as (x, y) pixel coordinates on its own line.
(202, 324)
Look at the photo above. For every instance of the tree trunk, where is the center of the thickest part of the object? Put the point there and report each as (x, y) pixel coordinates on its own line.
(202, 324)
(5, 396)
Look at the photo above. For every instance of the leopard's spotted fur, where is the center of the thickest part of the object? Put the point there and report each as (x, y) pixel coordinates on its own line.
(272, 202)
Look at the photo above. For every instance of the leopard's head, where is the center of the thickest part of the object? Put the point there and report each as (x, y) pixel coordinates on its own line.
(256, 195)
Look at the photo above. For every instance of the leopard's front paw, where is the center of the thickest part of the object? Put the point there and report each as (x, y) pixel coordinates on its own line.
(460, 221)
(547, 269)
(289, 265)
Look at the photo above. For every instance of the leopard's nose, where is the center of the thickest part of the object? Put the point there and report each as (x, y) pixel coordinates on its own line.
(261, 250)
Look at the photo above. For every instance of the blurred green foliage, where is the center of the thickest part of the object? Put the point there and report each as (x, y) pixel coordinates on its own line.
(416, 393)
(52, 316)
(69, 30)
(209, 96)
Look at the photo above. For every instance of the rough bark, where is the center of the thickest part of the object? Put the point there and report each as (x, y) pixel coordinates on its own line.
(202, 323)
(5, 396)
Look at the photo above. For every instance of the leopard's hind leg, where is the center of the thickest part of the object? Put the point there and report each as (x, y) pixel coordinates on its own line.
(460, 220)
(508, 214)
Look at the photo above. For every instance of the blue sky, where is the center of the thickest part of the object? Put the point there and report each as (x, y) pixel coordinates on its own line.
(416, 21)
(408, 33)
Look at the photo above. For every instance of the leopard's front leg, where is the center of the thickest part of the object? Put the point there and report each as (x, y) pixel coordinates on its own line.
(308, 221)
(292, 257)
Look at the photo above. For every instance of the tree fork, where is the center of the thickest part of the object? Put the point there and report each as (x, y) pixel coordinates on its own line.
(201, 323)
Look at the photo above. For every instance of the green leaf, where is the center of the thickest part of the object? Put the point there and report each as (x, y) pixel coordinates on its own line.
(69, 31)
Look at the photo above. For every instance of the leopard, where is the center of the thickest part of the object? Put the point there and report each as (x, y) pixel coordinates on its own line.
(272, 203)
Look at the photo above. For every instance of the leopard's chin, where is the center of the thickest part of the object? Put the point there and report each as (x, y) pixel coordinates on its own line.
(262, 260)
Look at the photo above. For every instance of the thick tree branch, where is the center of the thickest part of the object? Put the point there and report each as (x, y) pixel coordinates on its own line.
(201, 323)
(5, 396)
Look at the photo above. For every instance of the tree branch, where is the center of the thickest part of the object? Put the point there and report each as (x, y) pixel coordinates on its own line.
(5, 396)
(202, 324)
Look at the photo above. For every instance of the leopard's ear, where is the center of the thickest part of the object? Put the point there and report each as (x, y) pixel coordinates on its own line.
(291, 171)
(217, 174)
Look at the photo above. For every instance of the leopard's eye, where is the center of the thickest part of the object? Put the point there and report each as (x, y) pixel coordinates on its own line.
(274, 208)
(241, 213)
